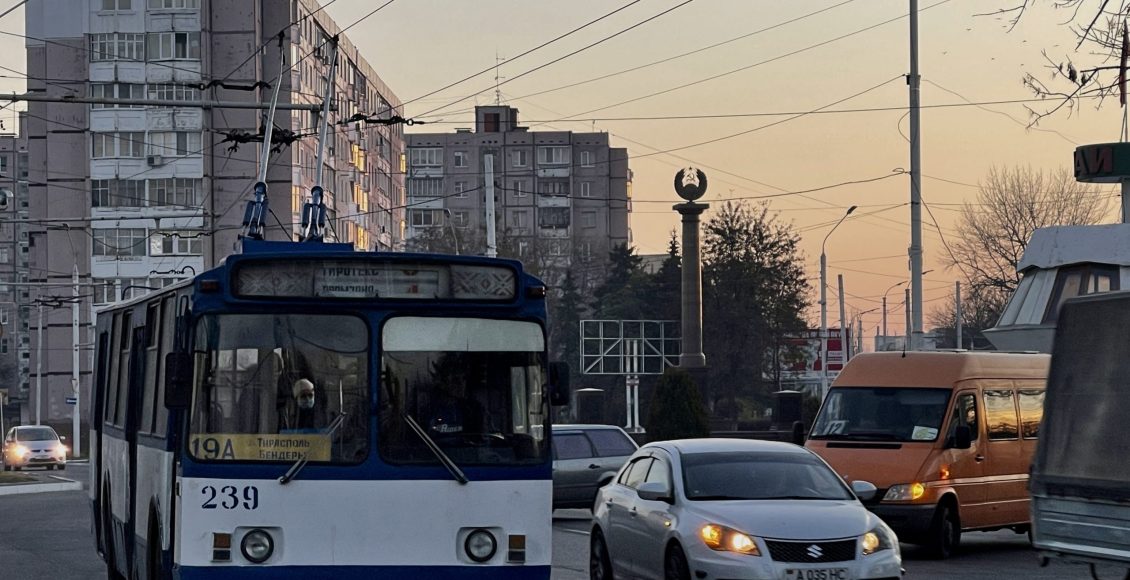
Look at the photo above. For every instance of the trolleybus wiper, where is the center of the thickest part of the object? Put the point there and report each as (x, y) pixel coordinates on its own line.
(298, 465)
(443, 458)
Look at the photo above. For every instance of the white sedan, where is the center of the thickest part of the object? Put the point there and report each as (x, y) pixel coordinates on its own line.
(735, 508)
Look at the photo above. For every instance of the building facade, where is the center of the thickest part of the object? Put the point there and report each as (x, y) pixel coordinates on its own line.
(14, 311)
(562, 199)
(136, 196)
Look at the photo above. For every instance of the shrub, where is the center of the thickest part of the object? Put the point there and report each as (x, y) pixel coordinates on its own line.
(676, 410)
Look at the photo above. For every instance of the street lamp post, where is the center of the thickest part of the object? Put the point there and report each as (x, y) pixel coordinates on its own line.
(824, 306)
(893, 286)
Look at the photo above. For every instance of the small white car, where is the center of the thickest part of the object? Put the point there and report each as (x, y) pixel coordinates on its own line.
(33, 446)
(735, 508)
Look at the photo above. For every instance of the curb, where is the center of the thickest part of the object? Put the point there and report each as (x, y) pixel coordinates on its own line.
(22, 488)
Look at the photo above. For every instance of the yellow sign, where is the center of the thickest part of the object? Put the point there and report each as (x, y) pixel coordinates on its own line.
(254, 447)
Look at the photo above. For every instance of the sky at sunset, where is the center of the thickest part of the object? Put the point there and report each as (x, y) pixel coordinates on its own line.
(831, 51)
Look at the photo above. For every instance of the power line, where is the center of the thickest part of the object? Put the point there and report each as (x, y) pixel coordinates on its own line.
(538, 47)
(579, 50)
(699, 82)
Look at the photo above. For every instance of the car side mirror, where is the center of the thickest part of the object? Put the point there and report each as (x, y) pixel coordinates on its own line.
(558, 384)
(62, 438)
(864, 490)
(798, 433)
(178, 380)
(654, 491)
(962, 437)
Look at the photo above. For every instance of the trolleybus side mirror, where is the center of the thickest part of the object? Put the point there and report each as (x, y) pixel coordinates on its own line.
(178, 380)
(558, 384)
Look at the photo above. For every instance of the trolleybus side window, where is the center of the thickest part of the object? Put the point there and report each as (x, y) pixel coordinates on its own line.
(281, 387)
(152, 334)
(165, 346)
(474, 386)
(110, 395)
(124, 334)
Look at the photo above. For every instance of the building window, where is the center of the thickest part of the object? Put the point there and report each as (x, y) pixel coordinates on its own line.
(4, 166)
(3, 346)
(586, 189)
(425, 218)
(521, 189)
(553, 217)
(560, 188)
(586, 159)
(110, 145)
(175, 244)
(558, 247)
(174, 45)
(588, 219)
(425, 157)
(521, 158)
(461, 189)
(117, 192)
(1080, 280)
(119, 242)
(520, 219)
(117, 46)
(116, 91)
(459, 218)
(179, 192)
(3, 316)
(584, 251)
(425, 187)
(5, 257)
(168, 4)
(460, 159)
(553, 155)
(173, 91)
(104, 291)
(116, 4)
(175, 143)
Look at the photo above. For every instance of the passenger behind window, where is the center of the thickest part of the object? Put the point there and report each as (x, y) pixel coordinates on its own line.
(305, 412)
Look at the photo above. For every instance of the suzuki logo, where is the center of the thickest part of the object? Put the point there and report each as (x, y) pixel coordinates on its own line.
(814, 551)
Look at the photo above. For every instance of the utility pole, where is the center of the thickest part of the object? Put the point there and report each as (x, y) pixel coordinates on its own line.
(39, 369)
(914, 80)
(76, 391)
(906, 345)
(492, 245)
(843, 328)
(957, 310)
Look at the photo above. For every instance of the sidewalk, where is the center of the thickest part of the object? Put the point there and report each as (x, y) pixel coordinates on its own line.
(21, 482)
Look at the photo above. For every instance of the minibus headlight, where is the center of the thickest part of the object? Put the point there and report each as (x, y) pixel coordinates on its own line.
(480, 545)
(257, 546)
(905, 492)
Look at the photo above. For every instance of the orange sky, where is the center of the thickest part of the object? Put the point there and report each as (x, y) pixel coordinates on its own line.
(418, 46)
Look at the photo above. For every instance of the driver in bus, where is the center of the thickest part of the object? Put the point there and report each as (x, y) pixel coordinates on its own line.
(303, 414)
(452, 411)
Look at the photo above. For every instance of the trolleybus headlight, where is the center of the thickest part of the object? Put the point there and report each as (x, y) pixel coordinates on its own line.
(480, 545)
(257, 546)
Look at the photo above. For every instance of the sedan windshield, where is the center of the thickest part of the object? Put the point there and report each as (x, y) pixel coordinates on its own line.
(881, 414)
(474, 387)
(743, 475)
(281, 387)
(36, 434)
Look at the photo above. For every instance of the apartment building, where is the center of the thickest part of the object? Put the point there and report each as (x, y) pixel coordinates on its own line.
(562, 199)
(139, 196)
(14, 312)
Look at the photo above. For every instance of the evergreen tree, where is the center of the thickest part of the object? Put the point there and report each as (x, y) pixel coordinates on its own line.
(677, 411)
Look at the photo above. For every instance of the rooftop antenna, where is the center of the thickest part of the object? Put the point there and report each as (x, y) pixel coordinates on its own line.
(255, 214)
(314, 211)
(497, 93)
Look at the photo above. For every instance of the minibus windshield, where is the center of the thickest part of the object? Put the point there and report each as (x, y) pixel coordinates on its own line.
(881, 414)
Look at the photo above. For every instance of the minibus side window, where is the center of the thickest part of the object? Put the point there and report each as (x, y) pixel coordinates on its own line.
(965, 414)
(1031, 412)
(1000, 414)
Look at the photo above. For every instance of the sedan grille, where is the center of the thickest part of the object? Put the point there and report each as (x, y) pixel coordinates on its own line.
(812, 552)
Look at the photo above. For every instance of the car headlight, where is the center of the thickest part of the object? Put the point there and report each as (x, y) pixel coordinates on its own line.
(724, 539)
(905, 492)
(480, 545)
(877, 540)
(61, 449)
(257, 546)
(20, 451)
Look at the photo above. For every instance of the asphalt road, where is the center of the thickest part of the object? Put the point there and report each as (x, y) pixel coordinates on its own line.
(47, 535)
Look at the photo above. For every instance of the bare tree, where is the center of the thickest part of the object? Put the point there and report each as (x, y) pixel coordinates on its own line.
(1014, 202)
(980, 310)
(1099, 24)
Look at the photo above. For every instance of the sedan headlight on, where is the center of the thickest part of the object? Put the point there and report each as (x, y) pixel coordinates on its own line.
(61, 449)
(20, 451)
(724, 539)
(877, 540)
(905, 492)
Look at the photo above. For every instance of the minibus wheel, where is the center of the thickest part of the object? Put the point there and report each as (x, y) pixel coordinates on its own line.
(945, 532)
